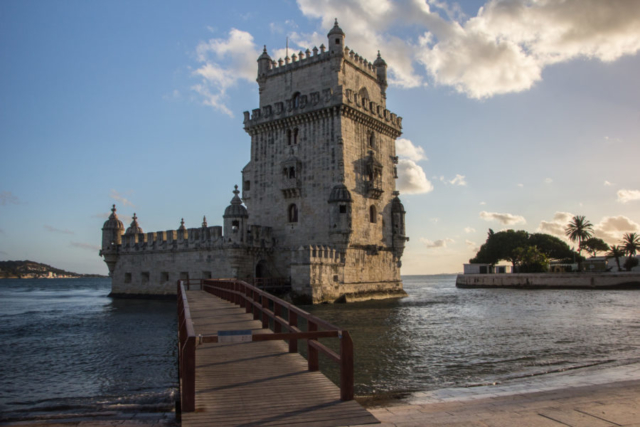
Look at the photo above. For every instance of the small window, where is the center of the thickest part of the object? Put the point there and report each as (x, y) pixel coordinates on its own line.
(235, 225)
(145, 276)
(184, 276)
(293, 213)
(292, 172)
(246, 186)
(127, 277)
(296, 100)
(373, 215)
(288, 136)
(343, 209)
(295, 136)
(206, 275)
(164, 276)
(337, 41)
(371, 140)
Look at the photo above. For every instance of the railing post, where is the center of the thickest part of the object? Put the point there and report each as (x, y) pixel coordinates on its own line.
(312, 352)
(265, 316)
(249, 306)
(277, 327)
(189, 375)
(256, 311)
(293, 321)
(346, 368)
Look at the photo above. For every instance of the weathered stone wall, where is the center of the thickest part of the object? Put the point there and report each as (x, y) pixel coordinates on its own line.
(549, 280)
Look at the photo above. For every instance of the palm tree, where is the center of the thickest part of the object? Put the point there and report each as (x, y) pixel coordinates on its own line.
(631, 243)
(616, 252)
(579, 230)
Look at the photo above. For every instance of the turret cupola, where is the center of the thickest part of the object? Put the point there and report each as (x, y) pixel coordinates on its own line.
(134, 228)
(235, 219)
(112, 231)
(336, 39)
(264, 64)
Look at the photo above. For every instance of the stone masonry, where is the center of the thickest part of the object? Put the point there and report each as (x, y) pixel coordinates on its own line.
(320, 207)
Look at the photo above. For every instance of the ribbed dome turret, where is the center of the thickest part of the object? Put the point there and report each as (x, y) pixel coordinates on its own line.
(113, 223)
(340, 193)
(396, 204)
(235, 209)
(264, 55)
(379, 61)
(336, 30)
(134, 228)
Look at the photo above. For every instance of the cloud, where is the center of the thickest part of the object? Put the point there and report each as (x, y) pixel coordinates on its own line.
(520, 185)
(405, 148)
(507, 45)
(548, 181)
(502, 218)
(57, 230)
(625, 196)
(607, 183)
(411, 178)
(120, 198)
(223, 63)
(86, 246)
(472, 245)
(8, 198)
(557, 225)
(442, 243)
(611, 228)
(458, 180)
(469, 230)
(483, 203)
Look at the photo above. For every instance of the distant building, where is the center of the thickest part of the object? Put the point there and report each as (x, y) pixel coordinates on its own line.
(486, 269)
(320, 208)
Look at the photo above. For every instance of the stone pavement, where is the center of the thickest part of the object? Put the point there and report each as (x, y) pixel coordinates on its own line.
(585, 397)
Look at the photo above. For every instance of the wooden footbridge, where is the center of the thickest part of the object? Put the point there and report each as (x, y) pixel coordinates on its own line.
(240, 366)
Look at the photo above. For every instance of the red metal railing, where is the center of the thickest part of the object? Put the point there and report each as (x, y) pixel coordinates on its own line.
(186, 352)
(258, 302)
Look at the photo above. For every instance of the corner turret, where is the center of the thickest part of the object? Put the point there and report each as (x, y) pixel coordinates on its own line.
(264, 65)
(398, 225)
(336, 40)
(381, 71)
(112, 232)
(235, 219)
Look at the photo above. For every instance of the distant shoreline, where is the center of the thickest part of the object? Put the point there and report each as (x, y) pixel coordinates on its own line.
(621, 280)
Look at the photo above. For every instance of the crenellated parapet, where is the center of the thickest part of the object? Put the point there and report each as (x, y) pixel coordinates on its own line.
(317, 254)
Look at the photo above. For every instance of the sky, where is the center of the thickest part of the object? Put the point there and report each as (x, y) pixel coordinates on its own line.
(516, 114)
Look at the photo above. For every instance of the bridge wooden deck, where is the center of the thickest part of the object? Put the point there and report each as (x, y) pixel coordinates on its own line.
(258, 383)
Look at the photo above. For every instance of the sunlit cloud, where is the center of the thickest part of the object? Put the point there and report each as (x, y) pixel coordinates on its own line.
(608, 184)
(458, 180)
(502, 218)
(411, 178)
(406, 149)
(625, 196)
(86, 246)
(557, 225)
(442, 243)
(612, 228)
(120, 198)
(548, 181)
(469, 230)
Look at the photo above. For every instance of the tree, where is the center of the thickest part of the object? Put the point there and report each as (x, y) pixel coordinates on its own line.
(531, 260)
(616, 252)
(552, 247)
(630, 263)
(594, 245)
(579, 230)
(631, 243)
(501, 246)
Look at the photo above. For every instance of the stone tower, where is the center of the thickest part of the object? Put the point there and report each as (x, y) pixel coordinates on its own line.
(112, 232)
(322, 172)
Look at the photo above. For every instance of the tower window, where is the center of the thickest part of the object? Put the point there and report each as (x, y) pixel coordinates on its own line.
(293, 213)
(164, 276)
(337, 41)
(296, 100)
(127, 277)
(371, 140)
(235, 225)
(288, 136)
(246, 186)
(343, 209)
(292, 172)
(373, 215)
(295, 136)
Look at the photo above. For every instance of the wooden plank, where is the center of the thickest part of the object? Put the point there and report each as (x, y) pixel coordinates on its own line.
(258, 383)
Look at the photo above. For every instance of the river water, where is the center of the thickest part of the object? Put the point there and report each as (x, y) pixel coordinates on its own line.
(70, 349)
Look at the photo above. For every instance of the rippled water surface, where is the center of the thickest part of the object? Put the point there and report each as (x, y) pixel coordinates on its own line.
(441, 336)
(68, 347)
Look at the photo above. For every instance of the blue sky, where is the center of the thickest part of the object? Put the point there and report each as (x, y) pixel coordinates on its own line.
(517, 114)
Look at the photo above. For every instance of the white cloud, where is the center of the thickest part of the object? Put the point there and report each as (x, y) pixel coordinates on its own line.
(472, 245)
(557, 225)
(458, 180)
(607, 183)
(612, 228)
(8, 198)
(57, 230)
(507, 45)
(223, 63)
(120, 198)
(548, 181)
(86, 246)
(483, 203)
(520, 185)
(434, 220)
(405, 148)
(411, 178)
(502, 218)
(469, 230)
(625, 196)
(442, 243)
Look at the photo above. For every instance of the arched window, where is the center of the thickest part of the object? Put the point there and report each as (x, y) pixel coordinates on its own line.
(292, 172)
(296, 100)
(288, 136)
(372, 140)
(295, 136)
(293, 213)
(234, 226)
(363, 94)
(373, 215)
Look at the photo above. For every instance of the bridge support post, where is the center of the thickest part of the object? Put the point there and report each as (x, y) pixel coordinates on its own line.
(346, 370)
